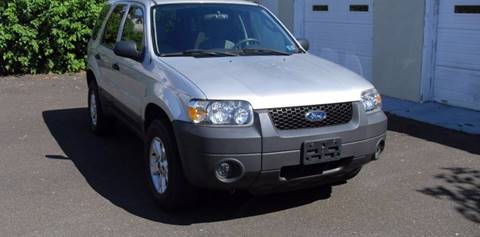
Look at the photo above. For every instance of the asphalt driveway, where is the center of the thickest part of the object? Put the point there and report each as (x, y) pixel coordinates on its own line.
(57, 179)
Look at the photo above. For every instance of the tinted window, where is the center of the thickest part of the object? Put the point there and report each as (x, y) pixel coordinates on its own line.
(134, 26)
(226, 27)
(100, 20)
(112, 27)
(359, 8)
(469, 9)
(320, 8)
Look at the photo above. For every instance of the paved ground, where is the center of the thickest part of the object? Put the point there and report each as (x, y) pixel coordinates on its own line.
(56, 179)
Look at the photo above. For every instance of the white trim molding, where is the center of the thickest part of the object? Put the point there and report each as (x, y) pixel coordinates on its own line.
(429, 49)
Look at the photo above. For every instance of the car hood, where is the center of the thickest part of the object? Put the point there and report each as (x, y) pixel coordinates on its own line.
(272, 81)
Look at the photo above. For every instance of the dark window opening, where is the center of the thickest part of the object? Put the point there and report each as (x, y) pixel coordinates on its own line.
(359, 8)
(320, 8)
(468, 9)
(134, 27)
(100, 20)
(113, 25)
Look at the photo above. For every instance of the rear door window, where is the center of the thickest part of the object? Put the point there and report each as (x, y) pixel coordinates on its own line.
(133, 30)
(113, 26)
(100, 20)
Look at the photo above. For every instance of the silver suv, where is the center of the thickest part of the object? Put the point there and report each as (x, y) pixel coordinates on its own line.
(226, 98)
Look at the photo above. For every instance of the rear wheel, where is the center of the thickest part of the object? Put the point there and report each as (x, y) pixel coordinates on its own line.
(163, 169)
(99, 121)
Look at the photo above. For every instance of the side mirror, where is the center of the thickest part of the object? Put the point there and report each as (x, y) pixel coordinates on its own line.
(304, 43)
(127, 49)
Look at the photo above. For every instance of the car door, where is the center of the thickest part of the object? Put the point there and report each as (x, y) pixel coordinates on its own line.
(130, 75)
(104, 55)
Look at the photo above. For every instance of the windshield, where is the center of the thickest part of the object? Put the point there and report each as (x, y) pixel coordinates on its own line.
(219, 30)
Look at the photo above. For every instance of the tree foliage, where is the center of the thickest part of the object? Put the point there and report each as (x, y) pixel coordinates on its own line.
(40, 36)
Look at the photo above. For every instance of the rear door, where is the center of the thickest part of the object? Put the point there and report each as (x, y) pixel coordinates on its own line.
(105, 56)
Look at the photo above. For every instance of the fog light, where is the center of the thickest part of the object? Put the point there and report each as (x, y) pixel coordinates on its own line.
(223, 170)
(229, 170)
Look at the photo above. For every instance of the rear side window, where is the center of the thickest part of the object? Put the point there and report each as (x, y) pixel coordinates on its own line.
(113, 26)
(100, 20)
(134, 27)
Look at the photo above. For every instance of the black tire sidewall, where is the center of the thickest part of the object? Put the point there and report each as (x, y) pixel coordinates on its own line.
(178, 189)
(90, 92)
(100, 127)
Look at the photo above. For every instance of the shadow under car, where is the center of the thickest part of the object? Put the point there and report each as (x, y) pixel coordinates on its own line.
(113, 167)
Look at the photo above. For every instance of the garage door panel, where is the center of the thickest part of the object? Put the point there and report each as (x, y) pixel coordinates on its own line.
(458, 41)
(455, 99)
(464, 80)
(339, 34)
(356, 18)
(341, 19)
(354, 62)
(457, 67)
(338, 11)
(342, 47)
(459, 48)
(356, 49)
(459, 21)
(459, 61)
(463, 26)
(334, 6)
(332, 50)
(448, 6)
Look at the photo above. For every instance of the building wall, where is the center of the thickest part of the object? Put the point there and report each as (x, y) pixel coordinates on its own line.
(398, 28)
(283, 9)
(272, 5)
(285, 13)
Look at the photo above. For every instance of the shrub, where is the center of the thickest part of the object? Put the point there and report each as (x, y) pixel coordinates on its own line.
(40, 36)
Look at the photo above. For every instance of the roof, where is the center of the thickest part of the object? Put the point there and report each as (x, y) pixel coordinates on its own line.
(157, 2)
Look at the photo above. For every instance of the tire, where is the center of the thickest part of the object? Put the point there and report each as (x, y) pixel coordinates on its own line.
(173, 192)
(99, 122)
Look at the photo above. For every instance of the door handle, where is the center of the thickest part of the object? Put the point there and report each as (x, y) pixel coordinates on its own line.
(97, 56)
(115, 66)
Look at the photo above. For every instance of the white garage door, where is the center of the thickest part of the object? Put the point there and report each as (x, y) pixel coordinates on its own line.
(457, 67)
(340, 31)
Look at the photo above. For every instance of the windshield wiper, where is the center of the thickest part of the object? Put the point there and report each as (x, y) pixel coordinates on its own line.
(262, 51)
(199, 53)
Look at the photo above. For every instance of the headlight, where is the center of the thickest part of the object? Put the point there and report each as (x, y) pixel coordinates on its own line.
(372, 101)
(220, 112)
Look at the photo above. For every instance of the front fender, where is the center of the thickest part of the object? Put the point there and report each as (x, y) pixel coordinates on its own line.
(171, 91)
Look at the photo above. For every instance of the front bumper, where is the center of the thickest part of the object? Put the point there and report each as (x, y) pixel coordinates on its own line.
(271, 158)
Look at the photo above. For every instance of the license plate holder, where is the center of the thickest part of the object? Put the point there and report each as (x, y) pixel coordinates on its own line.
(315, 152)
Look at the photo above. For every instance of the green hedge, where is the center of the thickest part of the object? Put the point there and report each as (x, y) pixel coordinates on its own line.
(41, 36)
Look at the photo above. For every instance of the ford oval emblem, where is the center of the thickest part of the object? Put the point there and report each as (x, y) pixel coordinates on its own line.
(316, 116)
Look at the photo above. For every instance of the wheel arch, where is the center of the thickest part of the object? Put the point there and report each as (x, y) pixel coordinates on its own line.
(91, 77)
(154, 112)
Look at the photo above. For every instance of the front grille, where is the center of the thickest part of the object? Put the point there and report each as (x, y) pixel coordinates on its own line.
(294, 117)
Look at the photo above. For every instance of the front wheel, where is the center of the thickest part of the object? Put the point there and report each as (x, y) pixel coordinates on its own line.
(163, 169)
